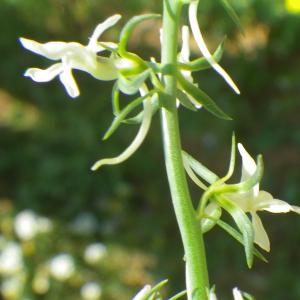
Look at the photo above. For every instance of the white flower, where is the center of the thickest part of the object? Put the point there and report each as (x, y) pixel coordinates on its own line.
(256, 200)
(74, 56)
(94, 253)
(91, 291)
(11, 259)
(25, 225)
(143, 293)
(62, 267)
(11, 287)
(203, 48)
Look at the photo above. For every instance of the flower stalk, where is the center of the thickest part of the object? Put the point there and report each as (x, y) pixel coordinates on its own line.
(196, 269)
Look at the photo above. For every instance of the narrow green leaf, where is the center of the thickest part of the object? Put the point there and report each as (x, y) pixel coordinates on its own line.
(236, 235)
(122, 115)
(198, 97)
(177, 296)
(200, 169)
(202, 63)
(232, 14)
(129, 27)
(184, 100)
(130, 86)
(248, 296)
(243, 223)
(139, 117)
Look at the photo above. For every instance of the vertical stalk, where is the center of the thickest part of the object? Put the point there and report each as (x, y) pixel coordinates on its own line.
(196, 269)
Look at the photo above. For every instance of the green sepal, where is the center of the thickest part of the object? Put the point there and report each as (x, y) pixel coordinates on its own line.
(248, 296)
(209, 221)
(246, 185)
(243, 223)
(236, 235)
(131, 86)
(200, 169)
(232, 160)
(202, 63)
(184, 100)
(128, 29)
(139, 117)
(179, 295)
(122, 115)
(198, 97)
(232, 14)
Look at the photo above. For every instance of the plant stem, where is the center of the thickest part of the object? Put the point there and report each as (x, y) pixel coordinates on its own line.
(190, 230)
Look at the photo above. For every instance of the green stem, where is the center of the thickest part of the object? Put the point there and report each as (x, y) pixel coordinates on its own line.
(196, 269)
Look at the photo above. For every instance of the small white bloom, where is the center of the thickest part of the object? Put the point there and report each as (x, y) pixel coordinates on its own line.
(41, 284)
(11, 287)
(256, 200)
(143, 293)
(74, 56)
(62, 267)
(94, 253)
(25, 225)
(11, 259)
(44, 224)
(84, 224)
(91, 291)
(193, 7)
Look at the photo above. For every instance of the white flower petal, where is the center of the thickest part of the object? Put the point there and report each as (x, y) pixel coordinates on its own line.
(184, 55)
(274, 205)
(39, 75)
(202, 46)
(296, 209)
(52, 50)
(260, 235)
(237, 295)
(109, 22)
(67, 79)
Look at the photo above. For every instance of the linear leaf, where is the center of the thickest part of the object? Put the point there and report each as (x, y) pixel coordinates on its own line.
(184, 100)
(243, 223)
(232, 14)
(201, 98)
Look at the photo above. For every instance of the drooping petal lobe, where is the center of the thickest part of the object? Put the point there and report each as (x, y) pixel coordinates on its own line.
(39, 75)
(260, 235)
(203, 48)
(67, 79)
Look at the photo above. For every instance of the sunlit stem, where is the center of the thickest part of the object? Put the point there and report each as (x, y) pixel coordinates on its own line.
(196, 270)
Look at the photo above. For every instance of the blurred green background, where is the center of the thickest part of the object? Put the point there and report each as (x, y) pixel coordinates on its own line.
(49, 142)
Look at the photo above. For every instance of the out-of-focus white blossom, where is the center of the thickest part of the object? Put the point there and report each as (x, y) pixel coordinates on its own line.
(94, 253)
(11, 258)
(44, 224)
(62, 267)
(84, 224)
(25, 225)
(40, 283)
(91, 291)
(11, 287)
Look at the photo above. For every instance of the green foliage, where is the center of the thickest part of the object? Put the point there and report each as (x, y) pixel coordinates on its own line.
(48, 144)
